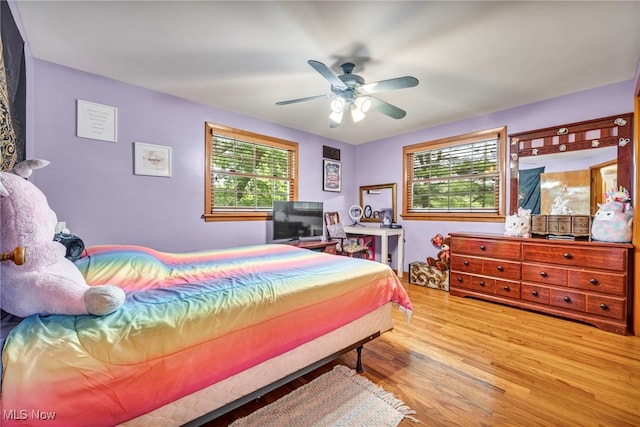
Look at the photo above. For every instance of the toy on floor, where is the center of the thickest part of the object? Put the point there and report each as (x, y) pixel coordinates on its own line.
(441, 262)
(46, 282)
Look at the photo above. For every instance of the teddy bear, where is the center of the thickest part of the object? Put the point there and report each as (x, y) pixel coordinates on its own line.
(47, 282)
(612, 222)
(518, 224)
(441, 262)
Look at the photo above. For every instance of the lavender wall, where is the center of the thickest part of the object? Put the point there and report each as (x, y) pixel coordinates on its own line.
(90, 184)
(604, 101)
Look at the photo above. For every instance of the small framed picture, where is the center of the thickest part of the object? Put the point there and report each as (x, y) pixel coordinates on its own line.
(151, 159)
(386, 217)
(332, 176)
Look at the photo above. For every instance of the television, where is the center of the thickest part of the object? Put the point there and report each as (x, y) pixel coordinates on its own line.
(297, 220)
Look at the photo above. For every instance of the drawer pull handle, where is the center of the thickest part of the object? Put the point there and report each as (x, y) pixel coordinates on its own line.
(604, 306)
(500, 268)
(534, 293)
(459, 279)
(483, 248)
(507, 288)
(481, 283)
(466, 263)
(567, 255)
(566, 299)
(593, 281)
(543, 273)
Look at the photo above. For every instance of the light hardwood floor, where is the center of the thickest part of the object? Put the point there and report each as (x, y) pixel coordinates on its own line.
(465, 362)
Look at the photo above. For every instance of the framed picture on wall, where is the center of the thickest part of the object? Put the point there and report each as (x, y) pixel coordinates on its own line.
(151, 159)
(331, 176)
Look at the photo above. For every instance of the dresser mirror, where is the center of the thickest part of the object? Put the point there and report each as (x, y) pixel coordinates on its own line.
(375, 198)
(571, 165)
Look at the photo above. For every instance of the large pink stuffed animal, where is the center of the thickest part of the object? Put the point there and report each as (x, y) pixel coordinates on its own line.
(47, 282)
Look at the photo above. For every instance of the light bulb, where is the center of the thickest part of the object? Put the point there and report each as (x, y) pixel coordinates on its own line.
(356, 114)
(363, 103)
(336, 116)
(337, 105)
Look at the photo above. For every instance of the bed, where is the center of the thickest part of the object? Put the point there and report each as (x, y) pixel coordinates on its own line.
(198, 335)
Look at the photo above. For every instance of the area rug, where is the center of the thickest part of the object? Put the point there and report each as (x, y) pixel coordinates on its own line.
(340, 397)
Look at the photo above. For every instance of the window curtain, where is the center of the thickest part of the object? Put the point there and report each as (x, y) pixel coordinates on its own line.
(529, 189)
(12, 91)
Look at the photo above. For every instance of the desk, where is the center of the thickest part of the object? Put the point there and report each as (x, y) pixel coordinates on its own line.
(384, 234)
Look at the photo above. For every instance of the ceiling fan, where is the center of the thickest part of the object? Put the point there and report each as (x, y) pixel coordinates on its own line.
(351, 93)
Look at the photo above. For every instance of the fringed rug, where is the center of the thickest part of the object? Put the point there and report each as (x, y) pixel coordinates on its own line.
(340, 397)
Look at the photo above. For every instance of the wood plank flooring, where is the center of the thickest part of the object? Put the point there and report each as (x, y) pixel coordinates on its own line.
(465, 362)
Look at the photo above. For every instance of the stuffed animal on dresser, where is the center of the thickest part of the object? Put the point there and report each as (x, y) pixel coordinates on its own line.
(518, 224)
(47, 282)
(612, 222)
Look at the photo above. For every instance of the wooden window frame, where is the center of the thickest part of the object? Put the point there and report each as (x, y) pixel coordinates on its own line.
(243, 214)
(465, 216)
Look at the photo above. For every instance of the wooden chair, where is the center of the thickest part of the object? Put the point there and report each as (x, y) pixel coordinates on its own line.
(335, 230)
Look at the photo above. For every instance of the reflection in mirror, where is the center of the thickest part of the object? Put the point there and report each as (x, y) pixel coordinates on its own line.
(374, 198)
(563, 183)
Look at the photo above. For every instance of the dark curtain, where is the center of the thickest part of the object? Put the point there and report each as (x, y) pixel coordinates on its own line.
(12, 91)
(529, 189)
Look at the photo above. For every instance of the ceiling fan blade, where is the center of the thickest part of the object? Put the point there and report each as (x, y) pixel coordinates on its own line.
(308, 98)
(327, 74)
(387, 109)
(333, 124)
(391, 84)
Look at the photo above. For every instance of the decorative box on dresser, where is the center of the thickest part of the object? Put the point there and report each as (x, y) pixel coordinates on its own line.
(581, 280)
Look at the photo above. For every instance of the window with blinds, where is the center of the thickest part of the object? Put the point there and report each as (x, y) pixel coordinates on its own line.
(460, 178)
(246, 172)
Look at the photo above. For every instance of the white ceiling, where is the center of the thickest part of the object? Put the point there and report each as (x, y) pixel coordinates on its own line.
(471, 58)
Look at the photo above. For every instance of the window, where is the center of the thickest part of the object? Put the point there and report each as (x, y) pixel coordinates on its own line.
(245, 172)
(457, 179)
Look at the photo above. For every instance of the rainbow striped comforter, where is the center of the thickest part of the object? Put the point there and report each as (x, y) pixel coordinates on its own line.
(189, 321)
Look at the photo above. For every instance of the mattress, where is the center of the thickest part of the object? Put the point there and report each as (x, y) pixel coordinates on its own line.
(189, 321)
(237, 386)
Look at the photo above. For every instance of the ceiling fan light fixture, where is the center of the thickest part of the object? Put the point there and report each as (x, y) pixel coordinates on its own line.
(363, 103)
(336, 116)
(337, 105)
(357, 114)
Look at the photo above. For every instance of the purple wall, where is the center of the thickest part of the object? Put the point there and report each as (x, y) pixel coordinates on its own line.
(90, 184)
(604, 101)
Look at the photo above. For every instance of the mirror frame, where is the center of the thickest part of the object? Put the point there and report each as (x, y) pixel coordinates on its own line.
(614, 131)
(365, 188)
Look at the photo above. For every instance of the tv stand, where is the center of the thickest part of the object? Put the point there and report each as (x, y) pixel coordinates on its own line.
(326, 246)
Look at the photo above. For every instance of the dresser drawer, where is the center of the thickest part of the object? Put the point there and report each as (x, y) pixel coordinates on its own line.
(507, 289)
(576, 301)
(501, 269)
(598, 281)
(544, 274)
(459, 280)
(577, 256)
(486, 247)
(482, 284)
(612, 307)
(466, 264)
(539, 294)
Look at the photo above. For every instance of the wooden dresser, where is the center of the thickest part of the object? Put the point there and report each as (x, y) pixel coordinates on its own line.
(586, 281)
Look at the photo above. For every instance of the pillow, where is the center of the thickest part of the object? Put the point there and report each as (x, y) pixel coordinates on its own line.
(336, 231)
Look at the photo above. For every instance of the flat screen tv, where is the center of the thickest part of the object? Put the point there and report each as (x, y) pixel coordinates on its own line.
(297, 220)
